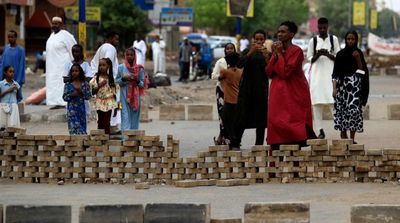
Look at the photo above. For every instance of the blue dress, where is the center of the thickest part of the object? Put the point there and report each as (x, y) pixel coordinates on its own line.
(129, 118)
(76, 113)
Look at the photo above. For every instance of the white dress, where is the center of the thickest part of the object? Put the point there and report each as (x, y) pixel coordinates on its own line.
(321, 71)
(58, 53)
(9, 113)
(158, 56)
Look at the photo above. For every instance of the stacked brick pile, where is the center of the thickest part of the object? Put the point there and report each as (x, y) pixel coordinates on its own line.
(142, 158)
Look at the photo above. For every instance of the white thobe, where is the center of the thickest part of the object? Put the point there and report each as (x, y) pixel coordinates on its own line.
(141, 49)
(158, 49)
(321, 71)
(107, 50)
(244, 43)
(58, 53)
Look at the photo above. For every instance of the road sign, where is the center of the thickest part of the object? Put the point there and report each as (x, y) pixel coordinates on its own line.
(178, 16)
(93, 14)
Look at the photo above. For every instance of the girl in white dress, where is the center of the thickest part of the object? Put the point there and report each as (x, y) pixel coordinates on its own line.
(9, 114)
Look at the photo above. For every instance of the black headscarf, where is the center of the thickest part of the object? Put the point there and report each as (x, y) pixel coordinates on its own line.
(346, 65)
(226, 45)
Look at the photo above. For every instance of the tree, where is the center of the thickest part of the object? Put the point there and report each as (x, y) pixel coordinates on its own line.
(124, 18)
(386, 25)
(212, 14)
(337, 12)
(268, 14)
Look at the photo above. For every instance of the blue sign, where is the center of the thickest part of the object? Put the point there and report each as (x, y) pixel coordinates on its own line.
(144, 4)
(178, 16)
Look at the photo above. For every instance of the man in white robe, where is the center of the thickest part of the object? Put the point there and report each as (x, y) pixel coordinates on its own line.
(158, 48)
(108, 50)
(58, 53)
(322, 58)
(141, 49)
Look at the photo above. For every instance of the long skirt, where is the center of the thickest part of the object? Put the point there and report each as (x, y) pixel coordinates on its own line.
(220, 107)
(11, 117)
(347, 107)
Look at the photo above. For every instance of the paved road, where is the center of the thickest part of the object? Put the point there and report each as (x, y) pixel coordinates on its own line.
(329, 202)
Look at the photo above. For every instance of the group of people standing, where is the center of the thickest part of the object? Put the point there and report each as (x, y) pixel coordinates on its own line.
(71, 81)
(12, 78)
(338, 80)
(116, 88)
(287, 104)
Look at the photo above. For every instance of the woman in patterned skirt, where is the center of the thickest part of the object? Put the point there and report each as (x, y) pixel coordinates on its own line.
(350, 87)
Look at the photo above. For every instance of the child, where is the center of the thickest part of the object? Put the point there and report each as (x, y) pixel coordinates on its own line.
(104, 90)
(132, 82)
(230, 79)
(77, 54)
(75, 92)
(9, 114)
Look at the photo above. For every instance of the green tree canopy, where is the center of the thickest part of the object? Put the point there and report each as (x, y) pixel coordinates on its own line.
(268, 14)
(211, 14)
(124, 18)
(386, 24)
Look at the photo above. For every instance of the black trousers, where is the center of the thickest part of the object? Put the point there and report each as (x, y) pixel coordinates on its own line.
(239, 130)
(184, 71)
(103, 120)
(228, 118)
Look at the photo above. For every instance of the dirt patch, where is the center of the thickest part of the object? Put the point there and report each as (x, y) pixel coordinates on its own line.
(196, 92)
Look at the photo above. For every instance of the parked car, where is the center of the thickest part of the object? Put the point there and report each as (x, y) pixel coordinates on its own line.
(218, 43)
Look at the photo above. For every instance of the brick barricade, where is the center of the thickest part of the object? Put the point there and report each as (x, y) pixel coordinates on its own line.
(143, 158)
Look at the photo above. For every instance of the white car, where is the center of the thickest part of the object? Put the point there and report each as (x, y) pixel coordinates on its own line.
(217, 43)
(302, 43)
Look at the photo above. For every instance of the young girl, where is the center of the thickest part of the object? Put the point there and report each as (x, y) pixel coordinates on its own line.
(77, 54)
(130, 78)
(9, 114)
(75, 92)
(104, 90)
(350, 87)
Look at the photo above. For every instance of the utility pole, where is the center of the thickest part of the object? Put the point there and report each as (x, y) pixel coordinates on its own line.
(238, 32)
(82, 25)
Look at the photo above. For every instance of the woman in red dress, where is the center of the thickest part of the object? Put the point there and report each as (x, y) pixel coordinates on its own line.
(289, 115)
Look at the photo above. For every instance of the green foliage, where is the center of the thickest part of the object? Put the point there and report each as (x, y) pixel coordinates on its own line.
(268, 14)
(212, 14)
(124, 18)
(385, 24)
(337, 12)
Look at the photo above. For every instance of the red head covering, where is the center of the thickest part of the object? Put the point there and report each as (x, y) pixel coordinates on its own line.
(133, 89)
